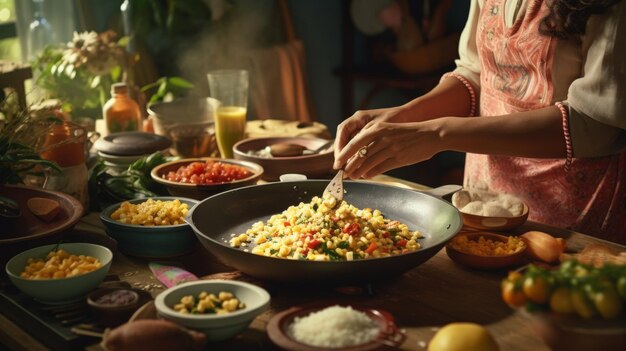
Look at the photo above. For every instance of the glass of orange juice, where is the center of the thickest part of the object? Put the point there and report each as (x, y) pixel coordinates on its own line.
(230, 88)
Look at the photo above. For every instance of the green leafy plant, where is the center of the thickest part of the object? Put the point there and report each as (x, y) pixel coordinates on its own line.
(18, 156)
(81, 74)
(166, 88)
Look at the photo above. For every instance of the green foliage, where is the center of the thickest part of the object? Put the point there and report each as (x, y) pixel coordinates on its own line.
(18, 157)
(133, 183)
(175, 86)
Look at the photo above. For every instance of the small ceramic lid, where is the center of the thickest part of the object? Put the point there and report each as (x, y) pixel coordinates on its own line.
(132, 143)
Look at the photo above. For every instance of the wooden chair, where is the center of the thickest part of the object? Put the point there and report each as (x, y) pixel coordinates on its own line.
(13, 75)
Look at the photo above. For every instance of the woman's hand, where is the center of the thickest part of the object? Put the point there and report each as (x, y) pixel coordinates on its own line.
(381, 146)
(349, 128)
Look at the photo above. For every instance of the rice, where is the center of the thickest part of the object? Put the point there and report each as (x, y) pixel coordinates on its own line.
(334, 326)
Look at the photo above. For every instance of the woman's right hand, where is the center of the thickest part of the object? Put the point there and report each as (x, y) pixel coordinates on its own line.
(360, 120)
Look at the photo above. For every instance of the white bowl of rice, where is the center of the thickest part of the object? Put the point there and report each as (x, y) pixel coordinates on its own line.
(334, 326)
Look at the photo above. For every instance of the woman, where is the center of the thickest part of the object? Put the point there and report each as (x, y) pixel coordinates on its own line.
(548, 80)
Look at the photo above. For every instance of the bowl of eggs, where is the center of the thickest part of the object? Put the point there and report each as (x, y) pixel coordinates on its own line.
(312, 157)
(61, 273)
(490, 211)
(151, 228)
(220, 309)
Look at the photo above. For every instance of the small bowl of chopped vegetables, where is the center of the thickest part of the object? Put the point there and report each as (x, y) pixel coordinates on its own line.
(484, 250)
(59, 274)
(151, 228)
(220, 309)
(199, 178)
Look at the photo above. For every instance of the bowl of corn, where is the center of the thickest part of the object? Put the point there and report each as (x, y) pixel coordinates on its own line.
(61, 273)
(484, 250)
(152, 227)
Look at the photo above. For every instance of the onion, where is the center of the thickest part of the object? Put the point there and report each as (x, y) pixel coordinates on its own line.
(152, 334)
(543, 246)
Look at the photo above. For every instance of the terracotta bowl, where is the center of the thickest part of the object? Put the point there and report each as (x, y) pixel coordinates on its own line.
(485, 261)
(110, 312)
(313, 166)
(202, 191)
(389, 336)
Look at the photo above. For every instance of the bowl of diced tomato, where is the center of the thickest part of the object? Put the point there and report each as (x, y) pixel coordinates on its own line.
(199, 178)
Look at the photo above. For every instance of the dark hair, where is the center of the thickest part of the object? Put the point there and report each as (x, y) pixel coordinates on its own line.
(569, 17)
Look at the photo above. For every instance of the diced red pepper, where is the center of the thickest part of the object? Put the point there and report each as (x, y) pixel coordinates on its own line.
(401, 243)
(313, 244)
(305, 252)
(371, 248)
(352, 228)
(312, 232)
(385, 234)
(286, 224)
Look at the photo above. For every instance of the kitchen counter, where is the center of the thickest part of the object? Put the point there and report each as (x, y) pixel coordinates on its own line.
(429, 296)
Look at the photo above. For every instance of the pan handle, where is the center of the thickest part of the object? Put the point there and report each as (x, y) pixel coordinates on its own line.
(443, 190)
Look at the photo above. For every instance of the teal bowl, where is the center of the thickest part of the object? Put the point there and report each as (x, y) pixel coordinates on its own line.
(216, 327)
(151, 241)
(62, 290)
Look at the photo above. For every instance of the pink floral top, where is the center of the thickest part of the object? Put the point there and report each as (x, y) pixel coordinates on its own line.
(515, 75)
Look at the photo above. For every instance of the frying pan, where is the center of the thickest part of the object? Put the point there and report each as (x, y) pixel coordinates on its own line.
(233, 212)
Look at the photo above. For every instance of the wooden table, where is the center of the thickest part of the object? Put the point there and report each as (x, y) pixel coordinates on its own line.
(436, 293)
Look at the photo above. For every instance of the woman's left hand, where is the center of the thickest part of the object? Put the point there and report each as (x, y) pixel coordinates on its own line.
(383, 146)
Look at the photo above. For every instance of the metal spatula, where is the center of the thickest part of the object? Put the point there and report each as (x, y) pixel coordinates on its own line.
(335, 187)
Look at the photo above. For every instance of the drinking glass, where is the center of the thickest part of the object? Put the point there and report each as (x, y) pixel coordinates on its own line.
(230, 88)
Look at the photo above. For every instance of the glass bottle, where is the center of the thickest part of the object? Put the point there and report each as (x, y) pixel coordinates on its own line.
(40, 32)
(121, 113)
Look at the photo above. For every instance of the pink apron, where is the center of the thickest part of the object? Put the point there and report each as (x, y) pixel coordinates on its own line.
(516, 66)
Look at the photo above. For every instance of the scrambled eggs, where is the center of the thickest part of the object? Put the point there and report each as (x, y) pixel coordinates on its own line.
(324, 230)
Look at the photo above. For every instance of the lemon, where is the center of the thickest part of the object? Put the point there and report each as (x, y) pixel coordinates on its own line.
(463, 337)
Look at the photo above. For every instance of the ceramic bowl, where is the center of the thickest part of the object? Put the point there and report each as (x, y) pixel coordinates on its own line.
(572, 333)
(189, 123)
(313, 166)
(113, 306)
(150, 241)
(61, 290)
(279, 325)
(216, 327)
(485, 261)
(202, 191)
(468, 197)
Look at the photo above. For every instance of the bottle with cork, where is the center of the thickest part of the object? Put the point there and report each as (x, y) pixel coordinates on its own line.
(121, 113)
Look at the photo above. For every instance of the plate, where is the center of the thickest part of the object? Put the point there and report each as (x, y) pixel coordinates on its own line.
(30, 227)
(389, 334)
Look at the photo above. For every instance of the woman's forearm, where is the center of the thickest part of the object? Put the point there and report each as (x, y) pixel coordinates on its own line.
(534, 134)
(449, 98)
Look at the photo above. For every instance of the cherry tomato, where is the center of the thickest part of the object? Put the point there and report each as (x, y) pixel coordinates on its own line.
(512, 293)
(607, 301)
(561, 301)
(621, 286)
(537, 289)
(581, 304)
